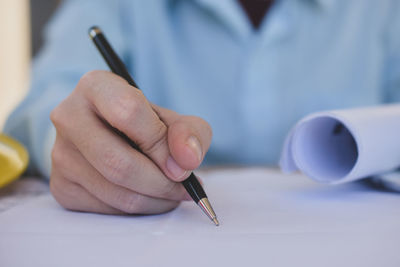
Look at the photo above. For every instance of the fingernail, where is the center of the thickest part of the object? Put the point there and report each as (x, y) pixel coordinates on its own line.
(195, 146)
(174, 168)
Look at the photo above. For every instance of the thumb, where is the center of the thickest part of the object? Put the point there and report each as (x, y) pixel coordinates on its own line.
(189, 138)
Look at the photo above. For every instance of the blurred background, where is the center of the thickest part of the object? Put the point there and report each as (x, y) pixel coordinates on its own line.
(21, 28)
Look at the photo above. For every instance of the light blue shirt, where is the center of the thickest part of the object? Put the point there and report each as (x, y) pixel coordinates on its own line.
(202, 57)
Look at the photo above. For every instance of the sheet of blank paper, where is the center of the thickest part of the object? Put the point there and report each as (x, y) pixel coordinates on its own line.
(267, 219)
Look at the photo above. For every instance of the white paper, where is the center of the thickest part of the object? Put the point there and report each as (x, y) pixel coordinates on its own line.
(344, 145)
(267, 219)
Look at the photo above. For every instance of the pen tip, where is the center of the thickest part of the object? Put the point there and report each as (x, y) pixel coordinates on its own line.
(208, 210)
(215, 220)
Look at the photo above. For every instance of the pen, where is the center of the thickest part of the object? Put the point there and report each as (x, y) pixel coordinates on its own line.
(191, 184)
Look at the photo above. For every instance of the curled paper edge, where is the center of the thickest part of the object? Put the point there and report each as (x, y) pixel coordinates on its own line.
(356, 121)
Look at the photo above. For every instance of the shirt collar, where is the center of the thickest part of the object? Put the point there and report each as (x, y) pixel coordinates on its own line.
(223, 3)
(325, 4)
(231, 14)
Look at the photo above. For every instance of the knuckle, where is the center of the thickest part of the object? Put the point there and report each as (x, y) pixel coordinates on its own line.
(57, 156)
(88, 79)
(61, 115)
(127, 110)
(58, 116)
(131, 203)
(54, 115)
(90, 82)
(117, 168)
(170, 190)
(156, 140)
(63, 191)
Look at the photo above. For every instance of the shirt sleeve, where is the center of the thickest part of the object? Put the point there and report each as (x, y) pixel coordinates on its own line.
(67, 54)
(392, 55)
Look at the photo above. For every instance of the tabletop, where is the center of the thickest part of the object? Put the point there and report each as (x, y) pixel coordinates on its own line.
(21, 191)
(267, 219)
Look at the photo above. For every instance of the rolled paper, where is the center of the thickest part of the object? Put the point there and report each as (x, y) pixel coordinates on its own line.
(344, 145)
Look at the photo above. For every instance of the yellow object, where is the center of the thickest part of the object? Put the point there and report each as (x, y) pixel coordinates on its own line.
(13, 160)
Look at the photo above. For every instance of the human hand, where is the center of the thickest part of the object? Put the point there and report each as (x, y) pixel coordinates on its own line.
(95, 170)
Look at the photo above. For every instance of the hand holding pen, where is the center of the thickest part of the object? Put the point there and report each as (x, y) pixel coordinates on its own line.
(96, 170)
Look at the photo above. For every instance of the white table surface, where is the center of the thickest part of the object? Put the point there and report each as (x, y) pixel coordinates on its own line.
(22, 191)
(267, 219)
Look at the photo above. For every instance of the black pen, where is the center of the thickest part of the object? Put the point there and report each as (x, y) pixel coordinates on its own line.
(191, 184)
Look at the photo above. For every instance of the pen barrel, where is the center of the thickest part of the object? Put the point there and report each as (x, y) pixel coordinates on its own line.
(113, 61)
(194, 188)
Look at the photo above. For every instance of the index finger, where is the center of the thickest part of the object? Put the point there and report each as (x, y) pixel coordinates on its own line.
(127, 109)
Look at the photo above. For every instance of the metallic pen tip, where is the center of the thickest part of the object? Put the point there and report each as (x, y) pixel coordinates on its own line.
(215, 220)
(208, 210)
(93, 31)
